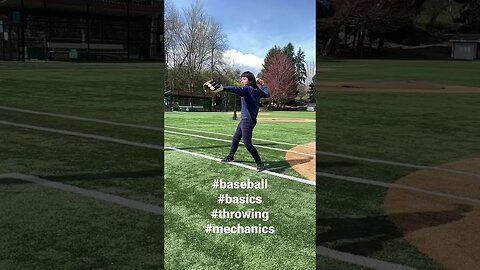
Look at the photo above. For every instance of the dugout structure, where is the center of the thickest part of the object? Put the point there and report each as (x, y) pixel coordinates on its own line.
(466, 46)
(191, 101)
(82, 30)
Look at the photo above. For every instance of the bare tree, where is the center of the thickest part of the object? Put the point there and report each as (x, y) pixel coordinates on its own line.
(196, 44)
(173, 28)
(298, 60)
(279, 74)
(310, 65)
(217, 44)
(362, 19)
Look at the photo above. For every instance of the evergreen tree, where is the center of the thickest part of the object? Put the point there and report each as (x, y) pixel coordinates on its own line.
(274, 50)
(297, 59)
(300, 70)
(311, 90)
(289, 51)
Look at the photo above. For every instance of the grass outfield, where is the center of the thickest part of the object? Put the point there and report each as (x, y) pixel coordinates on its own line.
(415, 128)
(48, 228)
(189, 196)
(441, 72)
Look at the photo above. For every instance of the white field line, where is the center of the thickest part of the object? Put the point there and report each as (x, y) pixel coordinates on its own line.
(360, 260)
(337, 155)
(158, 147)
(323, 251)
(135, 126)
(80, 118)
(150, 208)
(222, 140)
(230, 135)
(157, 210)
(398, 186)
(320, 250)
(150, 146)
(284, 176)
(325, 153)
(400, 164)
(127, 125)
(83, 135)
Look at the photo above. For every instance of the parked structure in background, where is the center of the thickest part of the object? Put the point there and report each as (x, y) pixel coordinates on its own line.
(81, 29)
(466, 46)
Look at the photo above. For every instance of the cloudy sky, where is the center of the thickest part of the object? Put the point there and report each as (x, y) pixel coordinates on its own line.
(254, 26)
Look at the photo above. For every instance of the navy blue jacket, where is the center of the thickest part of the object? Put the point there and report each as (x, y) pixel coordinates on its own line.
(250, 99)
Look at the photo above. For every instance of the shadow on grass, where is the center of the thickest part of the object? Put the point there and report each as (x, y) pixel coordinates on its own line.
(226, 146)
(11, 181)
(106, 175)
(366, 235)
(274, 166)
(200, 147)
(299, 161)
(280, 166)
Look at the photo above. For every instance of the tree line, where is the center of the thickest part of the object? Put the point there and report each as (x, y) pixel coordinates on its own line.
(195, 44)
(364, 24)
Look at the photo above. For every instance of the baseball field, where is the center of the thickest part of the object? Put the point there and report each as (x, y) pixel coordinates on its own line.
(398, 164)
(81, 170)
(82, 175)
(194, 145)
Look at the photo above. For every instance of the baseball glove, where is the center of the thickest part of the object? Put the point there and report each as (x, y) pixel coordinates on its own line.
(212, 86)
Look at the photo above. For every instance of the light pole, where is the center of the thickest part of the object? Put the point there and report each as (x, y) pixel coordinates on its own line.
(234, 107)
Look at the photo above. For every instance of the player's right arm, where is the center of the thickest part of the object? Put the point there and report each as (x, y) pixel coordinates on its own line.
(265, 91)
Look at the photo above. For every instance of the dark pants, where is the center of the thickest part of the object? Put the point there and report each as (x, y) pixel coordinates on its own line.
(245, 130)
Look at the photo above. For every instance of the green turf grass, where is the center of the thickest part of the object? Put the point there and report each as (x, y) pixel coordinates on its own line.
(48, 229)
(417, 128)
(403, 127)
(126, 171)
(274, 160)
(130, 93)
(221, 122)
(190, 198)
(452, 72)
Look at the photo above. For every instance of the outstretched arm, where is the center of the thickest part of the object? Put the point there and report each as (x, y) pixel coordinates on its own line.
(239, 90)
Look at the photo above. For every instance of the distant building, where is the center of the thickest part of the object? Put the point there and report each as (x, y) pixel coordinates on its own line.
(466, 46)
(311, 107)
(184, 100)
(81, 29)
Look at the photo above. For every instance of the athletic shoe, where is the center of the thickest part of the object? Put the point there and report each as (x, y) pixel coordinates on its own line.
(260, 166)
(228, 158)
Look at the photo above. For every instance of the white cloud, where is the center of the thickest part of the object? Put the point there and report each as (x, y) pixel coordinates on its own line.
(243, 61)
